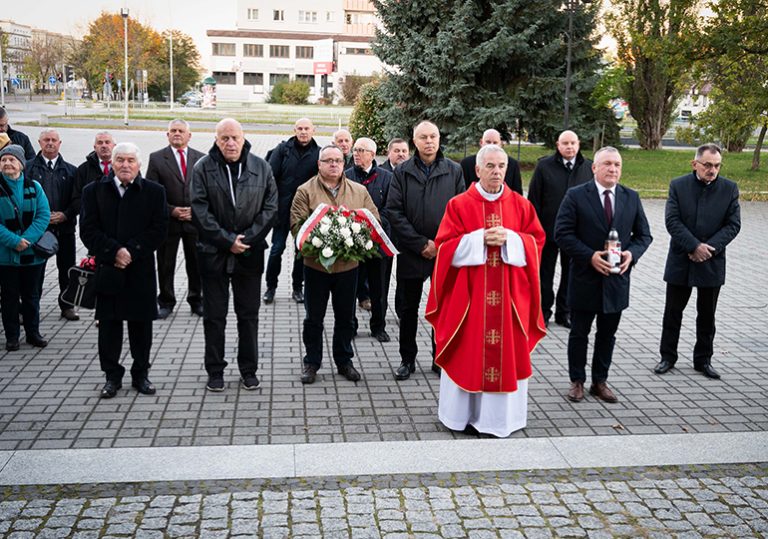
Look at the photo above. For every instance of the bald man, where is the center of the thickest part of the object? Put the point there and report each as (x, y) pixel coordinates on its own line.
(343, 139)
(511, 177)
(554, 175)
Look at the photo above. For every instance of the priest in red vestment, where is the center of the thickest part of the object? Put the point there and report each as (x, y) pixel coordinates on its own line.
(485, 302)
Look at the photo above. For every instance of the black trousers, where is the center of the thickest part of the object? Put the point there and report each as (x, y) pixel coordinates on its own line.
(246, 294)
(578, 341)
(706, 305)
(166, 268)
(20, 283)
(111, 346)
(318, 286)
(378, 272)
(65, 259)
(547, 274)
(409, 319)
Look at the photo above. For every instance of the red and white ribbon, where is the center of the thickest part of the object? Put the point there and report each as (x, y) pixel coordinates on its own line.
(310, 224)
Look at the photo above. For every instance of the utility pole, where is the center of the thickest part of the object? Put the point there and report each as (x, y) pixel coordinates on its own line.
(170, 37)
(124, 13)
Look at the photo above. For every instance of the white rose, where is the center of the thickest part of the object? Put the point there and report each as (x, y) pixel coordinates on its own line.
(355, 227)
(341, 220)
(317, 242)
(324, 229)
(327, 252)
(345, 232)
(349, 242)
(325, 221)
(368, 245)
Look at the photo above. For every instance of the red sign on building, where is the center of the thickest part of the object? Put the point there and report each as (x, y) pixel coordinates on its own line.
(323, 68)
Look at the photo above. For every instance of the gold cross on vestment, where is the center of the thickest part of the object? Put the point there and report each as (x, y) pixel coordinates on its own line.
(493, 298)
(492, 220)
(492, 375)
(494, 259)
(493, 337)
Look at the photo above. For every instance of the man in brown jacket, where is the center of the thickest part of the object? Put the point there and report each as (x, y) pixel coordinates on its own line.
(330, 186)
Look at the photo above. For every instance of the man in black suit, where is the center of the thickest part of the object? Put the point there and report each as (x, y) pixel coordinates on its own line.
(511, 177)
(587, 215)
(172, 167)
(702, 217)
(553, 176)
(124, 219)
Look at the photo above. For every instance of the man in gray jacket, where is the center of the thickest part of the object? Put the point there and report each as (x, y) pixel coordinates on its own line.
(418, 195)
(234, 204)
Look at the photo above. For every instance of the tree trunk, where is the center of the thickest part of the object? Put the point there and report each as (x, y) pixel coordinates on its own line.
(759, 146)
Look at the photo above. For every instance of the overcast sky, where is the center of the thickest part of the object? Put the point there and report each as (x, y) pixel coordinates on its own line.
(192, 17)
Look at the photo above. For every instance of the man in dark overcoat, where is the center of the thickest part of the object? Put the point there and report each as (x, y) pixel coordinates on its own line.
(702, 217)
(586, 216)
(172, 167)
(124, 219)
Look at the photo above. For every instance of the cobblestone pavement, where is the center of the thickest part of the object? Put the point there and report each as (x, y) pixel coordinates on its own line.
(49, 397)
(684, 502)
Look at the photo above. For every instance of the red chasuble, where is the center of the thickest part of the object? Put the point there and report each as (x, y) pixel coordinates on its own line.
(487, 318)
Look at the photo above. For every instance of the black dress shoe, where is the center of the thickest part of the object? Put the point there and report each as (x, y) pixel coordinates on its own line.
(308, 374)
(110, 389)
(349, 372)
(70, 315)
(664, 366)
(298, 296)
(12, 346)
(563, 321)
(405, 370)
(198, 310)
(37, 341)
(707, 371)
(269, 296)
(381, 336)
(436, 368)
(144, 386)
(163, 313)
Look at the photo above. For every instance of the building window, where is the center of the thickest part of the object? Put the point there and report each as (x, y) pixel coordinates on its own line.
(307, 16)
(256, 79)
(253, 14)
(275, 78)
(253, 51)
(278, 15)
(329, 16)
(309, 79)
(225, 77)
(279, 51)
(359, 51)
(305, 52)
(223, 49)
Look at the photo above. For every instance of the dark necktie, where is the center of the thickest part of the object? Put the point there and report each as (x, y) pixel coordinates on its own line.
(50, 165)
(183, 164)
(608, 207)
(569, 165)
(105, 166)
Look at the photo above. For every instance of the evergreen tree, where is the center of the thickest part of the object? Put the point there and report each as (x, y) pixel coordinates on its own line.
(469, 65)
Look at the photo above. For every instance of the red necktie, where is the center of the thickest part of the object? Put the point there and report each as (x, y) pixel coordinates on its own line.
(608, 207)
(183, 164)
(105, 164)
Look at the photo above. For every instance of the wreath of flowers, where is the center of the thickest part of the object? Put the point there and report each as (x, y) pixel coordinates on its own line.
(341, 234)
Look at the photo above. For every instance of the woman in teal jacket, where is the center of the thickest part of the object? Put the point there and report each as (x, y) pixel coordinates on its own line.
(24, 216)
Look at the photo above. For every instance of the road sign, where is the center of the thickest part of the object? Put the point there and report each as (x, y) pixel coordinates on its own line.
(15, 81)
(52, 79)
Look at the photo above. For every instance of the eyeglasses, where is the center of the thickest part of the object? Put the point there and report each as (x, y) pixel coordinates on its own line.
(361, 150)
(710, 166)
(332, 161)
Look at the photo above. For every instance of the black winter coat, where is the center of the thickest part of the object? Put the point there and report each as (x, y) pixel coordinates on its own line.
(291, 168)
(699, 213)
(581, 229)
(59, 186)
(17, 137)
(88, 172)
(549, 183)
(218, 221)
(415, 207)
(377, 181)
(138, 221)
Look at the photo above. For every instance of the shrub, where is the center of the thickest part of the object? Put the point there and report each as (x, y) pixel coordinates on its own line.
(276, 93)
(295, 93)
(365, 120)
(351, 88)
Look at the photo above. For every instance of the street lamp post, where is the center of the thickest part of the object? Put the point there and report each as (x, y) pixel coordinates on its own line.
(170, 37)
(2, 73)
(570, 7)
(124, 13)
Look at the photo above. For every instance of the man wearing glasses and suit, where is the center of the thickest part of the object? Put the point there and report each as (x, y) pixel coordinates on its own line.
(172, 167)
(702, 217)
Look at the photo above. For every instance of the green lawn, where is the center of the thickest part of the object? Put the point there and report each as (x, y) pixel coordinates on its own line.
(649, 172)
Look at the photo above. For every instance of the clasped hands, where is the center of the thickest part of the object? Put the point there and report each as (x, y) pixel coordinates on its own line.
(122, 258)
(182, 213)
(601, 264)
(495, 236)
(702, 253)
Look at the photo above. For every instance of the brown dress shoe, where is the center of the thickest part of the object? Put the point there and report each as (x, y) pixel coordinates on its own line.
(576, 393)
(602, 392)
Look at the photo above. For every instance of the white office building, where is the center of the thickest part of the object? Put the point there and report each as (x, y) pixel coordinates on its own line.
(299, 40)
